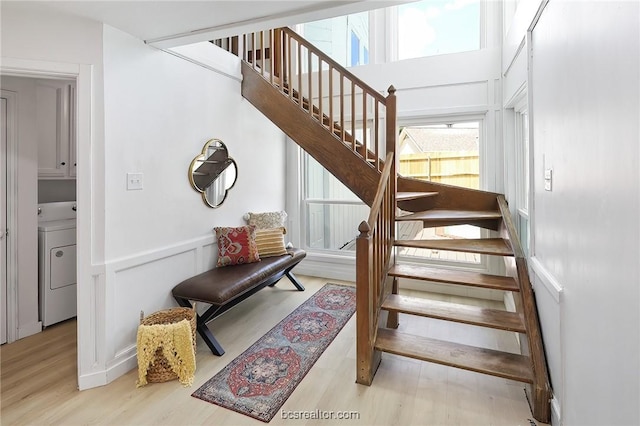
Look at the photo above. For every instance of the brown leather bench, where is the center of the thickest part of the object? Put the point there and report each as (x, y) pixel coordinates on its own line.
(223, 288)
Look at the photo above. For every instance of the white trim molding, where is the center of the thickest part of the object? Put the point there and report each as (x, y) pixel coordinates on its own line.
(550, 283)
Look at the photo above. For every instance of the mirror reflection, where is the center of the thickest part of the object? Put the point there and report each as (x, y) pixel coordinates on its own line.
(213, 173)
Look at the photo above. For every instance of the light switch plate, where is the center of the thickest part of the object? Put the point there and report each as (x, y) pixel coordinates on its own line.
(134, 181)
(548, 178)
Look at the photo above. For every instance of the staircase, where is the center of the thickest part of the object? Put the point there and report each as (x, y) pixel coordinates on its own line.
(319, 110)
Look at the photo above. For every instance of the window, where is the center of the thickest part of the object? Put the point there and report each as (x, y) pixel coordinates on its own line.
(417, 29)
(332, 212)
(436, 27)
(446, 153)
(522, 173)
(345, 38)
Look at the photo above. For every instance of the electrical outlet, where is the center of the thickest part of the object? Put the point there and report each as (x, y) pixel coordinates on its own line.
(134, 181)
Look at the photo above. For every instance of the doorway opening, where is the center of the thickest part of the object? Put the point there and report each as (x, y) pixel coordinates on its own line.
(38, 124)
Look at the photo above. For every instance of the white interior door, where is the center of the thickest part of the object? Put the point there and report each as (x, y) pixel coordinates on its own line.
(3, 221)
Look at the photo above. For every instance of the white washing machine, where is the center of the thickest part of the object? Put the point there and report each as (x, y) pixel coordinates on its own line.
(57, 261)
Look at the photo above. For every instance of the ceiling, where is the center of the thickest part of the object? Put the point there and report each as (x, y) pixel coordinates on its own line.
(172, 23)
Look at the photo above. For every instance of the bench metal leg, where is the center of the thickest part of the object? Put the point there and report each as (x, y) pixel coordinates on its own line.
(202, 329)
(294, 280)
(208, 338)
(291, 277)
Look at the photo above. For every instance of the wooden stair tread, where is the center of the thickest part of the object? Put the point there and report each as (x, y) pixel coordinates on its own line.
(492, 246)
(404, 196)
(467, 314)
(481, 360)
(443, 215)
(473, 279)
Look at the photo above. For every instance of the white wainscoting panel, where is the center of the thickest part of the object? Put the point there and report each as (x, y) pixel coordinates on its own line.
(143, 282)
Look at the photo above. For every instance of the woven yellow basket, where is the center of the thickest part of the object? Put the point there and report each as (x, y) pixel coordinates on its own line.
(160, 370)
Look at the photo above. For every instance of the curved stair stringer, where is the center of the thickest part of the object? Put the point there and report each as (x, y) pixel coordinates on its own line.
(345, 164)
(449, 197)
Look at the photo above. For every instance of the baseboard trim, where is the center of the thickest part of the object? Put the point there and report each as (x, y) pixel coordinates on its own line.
(29, 329)
(328, 266)
(124, 362)
(556, 418)
(92, 380)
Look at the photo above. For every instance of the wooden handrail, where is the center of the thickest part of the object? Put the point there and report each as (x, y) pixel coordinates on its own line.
(377, 201)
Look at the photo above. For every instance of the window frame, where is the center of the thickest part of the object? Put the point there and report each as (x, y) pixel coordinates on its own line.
(392, 23)
(484, 263)
(522, 145)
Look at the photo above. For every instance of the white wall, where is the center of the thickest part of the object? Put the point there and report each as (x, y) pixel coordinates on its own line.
(159, 112)
(515, 86)
(585, 109)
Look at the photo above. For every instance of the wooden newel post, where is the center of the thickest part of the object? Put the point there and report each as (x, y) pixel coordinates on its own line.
(391, 120)
(392, 135)
(364, 307)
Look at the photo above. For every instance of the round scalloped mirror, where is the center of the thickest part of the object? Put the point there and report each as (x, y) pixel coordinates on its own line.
(213, 173)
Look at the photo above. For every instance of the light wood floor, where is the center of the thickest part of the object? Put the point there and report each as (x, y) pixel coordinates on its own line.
(38, 378)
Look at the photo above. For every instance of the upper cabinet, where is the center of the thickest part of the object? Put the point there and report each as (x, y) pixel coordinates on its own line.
(55, 129)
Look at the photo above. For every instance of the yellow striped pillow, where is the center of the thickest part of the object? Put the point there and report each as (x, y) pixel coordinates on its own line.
(270, 242)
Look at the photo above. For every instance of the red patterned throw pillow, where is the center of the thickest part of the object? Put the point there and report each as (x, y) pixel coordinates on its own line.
(236, 245)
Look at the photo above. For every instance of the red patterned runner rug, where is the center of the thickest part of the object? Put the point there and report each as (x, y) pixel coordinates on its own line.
(259, 381)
